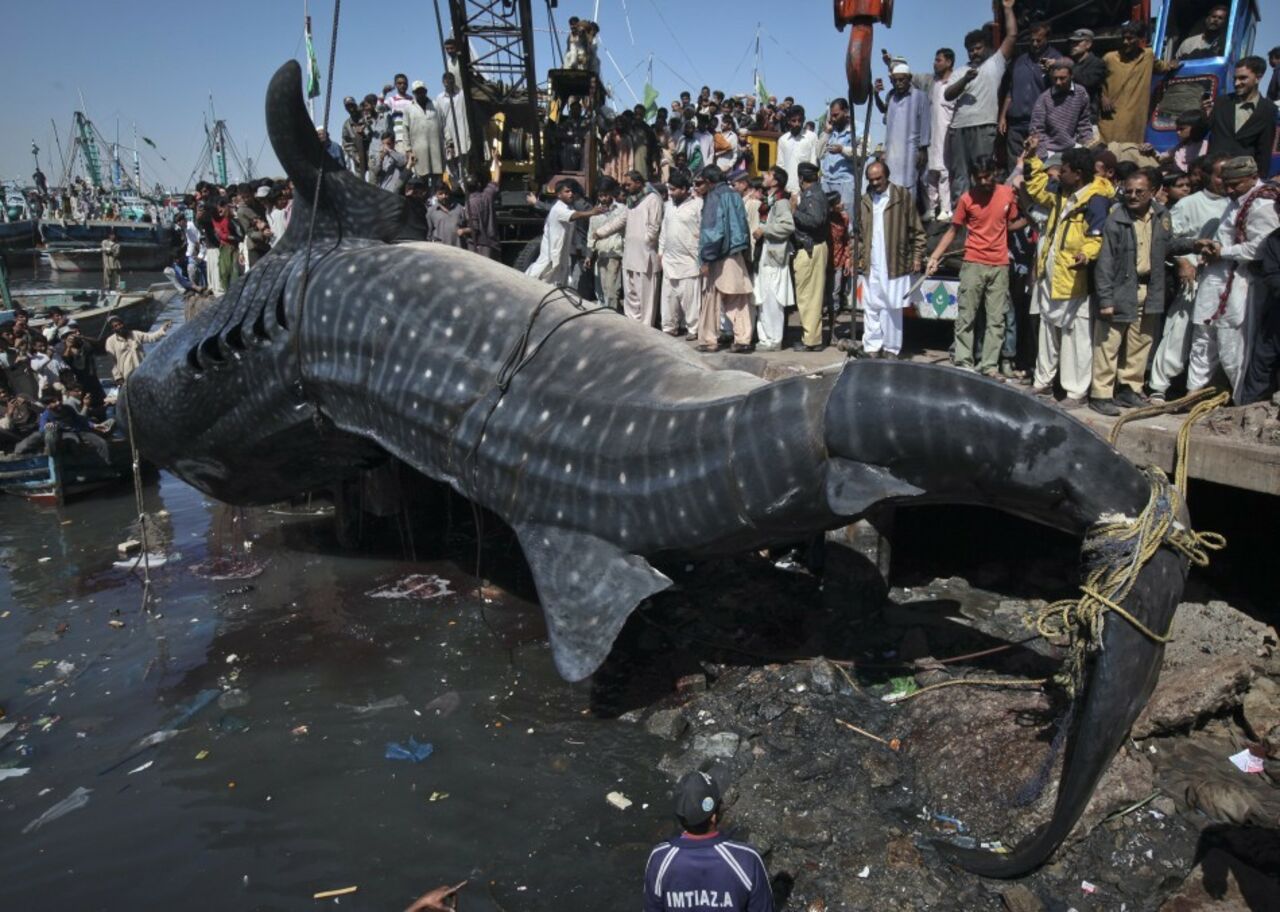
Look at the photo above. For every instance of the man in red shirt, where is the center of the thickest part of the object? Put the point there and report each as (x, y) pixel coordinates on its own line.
(986, 210)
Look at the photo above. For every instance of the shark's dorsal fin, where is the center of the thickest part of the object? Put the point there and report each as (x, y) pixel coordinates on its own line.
(349, 207)
(587, 587)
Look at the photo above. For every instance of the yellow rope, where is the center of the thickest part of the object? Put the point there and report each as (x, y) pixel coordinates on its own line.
(1202, 402)
(1115, 549)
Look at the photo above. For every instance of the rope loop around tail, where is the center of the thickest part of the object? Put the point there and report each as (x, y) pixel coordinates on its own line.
(1115, 550)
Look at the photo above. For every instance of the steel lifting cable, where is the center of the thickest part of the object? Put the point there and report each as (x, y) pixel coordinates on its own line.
(315, 203)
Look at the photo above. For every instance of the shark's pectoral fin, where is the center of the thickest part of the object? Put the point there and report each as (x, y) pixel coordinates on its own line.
(853, 487)
(587, 587)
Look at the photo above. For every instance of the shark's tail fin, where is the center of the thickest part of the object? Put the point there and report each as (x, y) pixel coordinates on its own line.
(348, 207)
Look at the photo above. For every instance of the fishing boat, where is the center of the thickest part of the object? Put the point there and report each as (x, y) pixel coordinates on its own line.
(54, 478)
(18, 237)
(77, 246)
(17, 227)
(91, 308)
(133, 257)
(93, 232)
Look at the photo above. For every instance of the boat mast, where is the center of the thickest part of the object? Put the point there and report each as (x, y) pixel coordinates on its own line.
(137, 164)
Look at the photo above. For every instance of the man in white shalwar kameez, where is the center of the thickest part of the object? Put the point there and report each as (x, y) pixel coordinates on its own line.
(772, 288)
(1225, 313)
(884, 296)
(907, 128)
(457, 135)
(1195, 217)
(552, 264)
(423, 138)
(678, 257)
(937, 179)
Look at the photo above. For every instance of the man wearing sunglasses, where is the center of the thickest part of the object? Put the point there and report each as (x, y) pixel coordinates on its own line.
(1129, 279)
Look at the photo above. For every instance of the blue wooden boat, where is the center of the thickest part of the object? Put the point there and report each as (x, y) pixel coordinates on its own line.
(93, 233)
(77, 246)
(18, 237)
(91, 308)
(52, 479)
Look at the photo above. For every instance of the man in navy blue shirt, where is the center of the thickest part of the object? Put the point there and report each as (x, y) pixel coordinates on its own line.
(701, 868)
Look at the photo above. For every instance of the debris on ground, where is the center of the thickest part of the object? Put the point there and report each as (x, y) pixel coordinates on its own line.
(412, 750)
(618, 800)
(420, 586)
(803, 758)
(73, 802)
(376, 707)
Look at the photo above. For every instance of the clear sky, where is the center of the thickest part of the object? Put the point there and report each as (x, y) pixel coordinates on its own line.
(154, 64)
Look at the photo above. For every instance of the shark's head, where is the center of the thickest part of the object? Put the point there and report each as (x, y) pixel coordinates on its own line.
(223, 401)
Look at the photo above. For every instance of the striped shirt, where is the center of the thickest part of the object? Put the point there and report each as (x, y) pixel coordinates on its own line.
(1062, 121)
(702, 873)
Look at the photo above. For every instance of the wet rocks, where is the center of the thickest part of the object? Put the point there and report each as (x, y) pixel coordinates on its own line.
(1215, 655)
(668, 724)
(1190, 693)
(1261, 706)
(822, 676)
(1019, 899)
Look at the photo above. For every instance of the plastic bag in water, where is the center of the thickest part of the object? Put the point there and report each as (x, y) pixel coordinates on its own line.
(410, 750)
(73, 802)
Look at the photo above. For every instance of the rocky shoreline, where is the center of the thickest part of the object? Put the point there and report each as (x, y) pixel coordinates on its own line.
(845, 821)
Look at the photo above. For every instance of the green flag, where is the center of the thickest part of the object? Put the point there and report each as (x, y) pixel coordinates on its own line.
(650, 101)
(313, 68)
(762, 94)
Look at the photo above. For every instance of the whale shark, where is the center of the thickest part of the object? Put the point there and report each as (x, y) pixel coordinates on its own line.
(607, 446)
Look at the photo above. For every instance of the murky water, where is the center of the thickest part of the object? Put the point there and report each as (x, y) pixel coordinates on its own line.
(275, 784)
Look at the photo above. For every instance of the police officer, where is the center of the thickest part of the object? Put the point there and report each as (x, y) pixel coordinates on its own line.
(701, 868)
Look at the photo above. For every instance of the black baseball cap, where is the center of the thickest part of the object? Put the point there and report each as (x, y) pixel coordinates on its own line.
(697, 798)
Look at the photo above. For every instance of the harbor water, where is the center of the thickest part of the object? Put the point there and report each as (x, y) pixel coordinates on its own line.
(232, 740)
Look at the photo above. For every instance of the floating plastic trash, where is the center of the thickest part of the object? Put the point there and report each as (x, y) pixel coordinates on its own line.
(445, 704)
(227, 568)
(73, 802)
(414, 586)
(1247, 762)
(411, 750)
(188, 709)
(378, 706)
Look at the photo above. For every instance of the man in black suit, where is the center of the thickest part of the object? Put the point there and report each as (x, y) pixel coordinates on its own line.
(1244, 123)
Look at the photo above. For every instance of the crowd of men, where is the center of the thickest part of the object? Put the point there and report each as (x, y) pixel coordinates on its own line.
(1089, 266)
(50, 392)
(1094, 269)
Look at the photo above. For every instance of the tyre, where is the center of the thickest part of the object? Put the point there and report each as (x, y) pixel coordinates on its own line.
(527, 254)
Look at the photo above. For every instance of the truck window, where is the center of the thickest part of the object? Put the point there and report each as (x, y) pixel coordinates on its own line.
(1181, 94)
(1186, 19)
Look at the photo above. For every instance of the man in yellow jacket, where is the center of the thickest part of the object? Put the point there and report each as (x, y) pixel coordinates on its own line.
(1078, 205)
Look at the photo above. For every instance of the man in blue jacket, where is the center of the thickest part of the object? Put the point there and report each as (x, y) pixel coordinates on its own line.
(726, 281)
(701, 868)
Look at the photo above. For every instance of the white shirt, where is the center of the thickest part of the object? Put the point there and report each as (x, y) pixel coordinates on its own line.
(192, 238)
(940, 112)
(678, 243)
(978, 104)
(879, 261)
(547, 266)
(1197, 216)
(1262, 221)
(449, 106)
(277, 221)
(793, 150)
